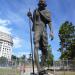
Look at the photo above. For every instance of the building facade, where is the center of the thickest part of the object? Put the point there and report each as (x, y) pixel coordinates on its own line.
(6, 44)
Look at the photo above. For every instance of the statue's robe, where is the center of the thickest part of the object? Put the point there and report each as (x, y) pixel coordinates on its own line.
(44, 19)
(40, 34)
(46, 16)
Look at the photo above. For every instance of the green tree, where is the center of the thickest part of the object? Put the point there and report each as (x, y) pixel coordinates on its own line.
(67, 40)
(15, 59)
(50, 56)
(3, 60)
(23, 59)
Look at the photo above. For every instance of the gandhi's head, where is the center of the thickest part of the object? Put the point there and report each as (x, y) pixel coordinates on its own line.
(42, 3)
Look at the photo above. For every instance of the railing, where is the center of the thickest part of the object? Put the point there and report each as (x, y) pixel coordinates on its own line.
(63, 67)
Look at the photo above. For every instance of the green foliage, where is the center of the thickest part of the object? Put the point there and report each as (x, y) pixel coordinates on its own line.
(15, 59)
(50, 56)
(23, 58)
(67, 40)
(3, 60)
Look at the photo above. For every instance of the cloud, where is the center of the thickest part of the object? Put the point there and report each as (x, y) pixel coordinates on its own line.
(5, 29)
(3, 26)
(4, 22)
(17, 42)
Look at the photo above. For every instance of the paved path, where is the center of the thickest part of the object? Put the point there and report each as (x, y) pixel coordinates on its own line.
(29, 70)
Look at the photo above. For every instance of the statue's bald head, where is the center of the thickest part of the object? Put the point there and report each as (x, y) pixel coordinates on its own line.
(42, 3)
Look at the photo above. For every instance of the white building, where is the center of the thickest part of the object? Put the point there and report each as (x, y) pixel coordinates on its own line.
(6, 44)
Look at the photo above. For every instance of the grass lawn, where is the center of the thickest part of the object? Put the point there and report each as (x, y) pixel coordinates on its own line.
(66, 73)
(9, 71)
(63, 72)
(13, 71)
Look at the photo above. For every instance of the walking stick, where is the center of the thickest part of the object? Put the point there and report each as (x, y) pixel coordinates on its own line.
(31, 44)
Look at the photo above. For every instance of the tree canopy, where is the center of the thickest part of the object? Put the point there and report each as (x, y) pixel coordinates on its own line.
(67, 40)
(3, 60)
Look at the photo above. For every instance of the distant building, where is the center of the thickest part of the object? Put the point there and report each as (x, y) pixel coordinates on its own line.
(6, 44)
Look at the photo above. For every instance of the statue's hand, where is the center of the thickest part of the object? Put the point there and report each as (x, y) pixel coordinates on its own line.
(51, 35)
(29, 14)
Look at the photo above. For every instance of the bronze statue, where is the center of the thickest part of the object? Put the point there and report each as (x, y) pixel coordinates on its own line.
(40, 19)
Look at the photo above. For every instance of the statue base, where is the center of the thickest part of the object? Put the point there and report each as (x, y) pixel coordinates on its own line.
(43, 72)
(33, 74)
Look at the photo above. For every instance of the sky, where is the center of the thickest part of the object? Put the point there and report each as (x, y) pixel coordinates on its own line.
(14, 21)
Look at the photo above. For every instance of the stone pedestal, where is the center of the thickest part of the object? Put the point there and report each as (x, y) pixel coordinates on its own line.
(33, 74)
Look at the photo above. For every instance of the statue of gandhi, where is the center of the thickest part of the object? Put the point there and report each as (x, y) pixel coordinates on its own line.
(41, 18)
